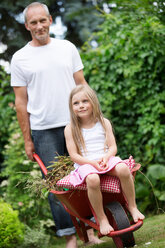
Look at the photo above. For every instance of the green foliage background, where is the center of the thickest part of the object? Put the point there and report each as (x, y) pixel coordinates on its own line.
(127, 71)
(18, 170)
(6, 109)
(11, 229)
(31, 204)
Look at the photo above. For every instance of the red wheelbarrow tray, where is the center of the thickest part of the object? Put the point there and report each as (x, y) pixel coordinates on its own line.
(78, 206)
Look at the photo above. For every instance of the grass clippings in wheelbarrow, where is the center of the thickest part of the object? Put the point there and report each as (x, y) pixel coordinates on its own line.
(59, 169)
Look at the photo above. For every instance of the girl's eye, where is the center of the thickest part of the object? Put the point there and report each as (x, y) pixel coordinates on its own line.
(75, 103)
(85, 101)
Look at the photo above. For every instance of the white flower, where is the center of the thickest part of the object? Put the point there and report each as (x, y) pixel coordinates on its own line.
(26, 162)
(7, 146)
(4, 183)
(16, 135)
(148, 243)
(34, 173)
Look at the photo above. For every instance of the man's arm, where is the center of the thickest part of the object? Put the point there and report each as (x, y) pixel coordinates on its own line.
(21, 99)
(79, 77)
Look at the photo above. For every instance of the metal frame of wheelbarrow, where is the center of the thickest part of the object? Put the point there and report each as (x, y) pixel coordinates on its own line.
(77, 204)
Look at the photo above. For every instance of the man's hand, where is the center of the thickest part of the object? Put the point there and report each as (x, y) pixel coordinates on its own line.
(29, 149)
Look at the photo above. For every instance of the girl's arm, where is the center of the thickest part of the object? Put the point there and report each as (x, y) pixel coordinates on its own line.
(72, 150)
(111, 142)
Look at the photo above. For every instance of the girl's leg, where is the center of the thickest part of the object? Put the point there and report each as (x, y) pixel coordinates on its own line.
(95, 198)
(122, 171)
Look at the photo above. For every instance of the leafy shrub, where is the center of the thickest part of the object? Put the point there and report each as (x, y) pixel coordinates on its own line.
(6, 108)
(35, 238)
(150, 189)
(17, 169)
(11, 229)
(127, 71)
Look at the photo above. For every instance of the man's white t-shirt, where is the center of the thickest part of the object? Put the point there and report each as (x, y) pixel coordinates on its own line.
(47, 72)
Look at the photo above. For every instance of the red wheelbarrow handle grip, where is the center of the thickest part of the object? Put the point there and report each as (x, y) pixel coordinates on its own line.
(132, 228)
(40, 163)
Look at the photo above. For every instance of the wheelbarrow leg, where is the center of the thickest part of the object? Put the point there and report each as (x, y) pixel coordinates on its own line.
(119, 220)
(81, 229)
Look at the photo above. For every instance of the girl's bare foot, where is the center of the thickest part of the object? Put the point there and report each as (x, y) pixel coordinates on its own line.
(105, 227)
(136, 214)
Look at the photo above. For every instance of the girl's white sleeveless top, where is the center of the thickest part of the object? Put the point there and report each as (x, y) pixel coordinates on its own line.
(94, 139)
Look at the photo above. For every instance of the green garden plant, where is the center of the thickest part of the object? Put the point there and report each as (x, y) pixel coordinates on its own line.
(6, 108)
(17, 169)
(35, 238)
(127, 71)
(11, 229)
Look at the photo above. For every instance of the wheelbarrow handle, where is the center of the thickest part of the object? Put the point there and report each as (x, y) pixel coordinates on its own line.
(40, 163)
(132, 228)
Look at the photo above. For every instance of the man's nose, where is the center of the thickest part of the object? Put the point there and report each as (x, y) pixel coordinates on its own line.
(39, 25)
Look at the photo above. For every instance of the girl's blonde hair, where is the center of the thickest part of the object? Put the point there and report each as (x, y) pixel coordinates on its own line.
(75, 122)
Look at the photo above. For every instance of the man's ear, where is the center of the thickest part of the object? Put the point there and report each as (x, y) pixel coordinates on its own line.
(50, 19)
(26, 26)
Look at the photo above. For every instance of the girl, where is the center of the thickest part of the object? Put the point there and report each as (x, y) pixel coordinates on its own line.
(92, 146)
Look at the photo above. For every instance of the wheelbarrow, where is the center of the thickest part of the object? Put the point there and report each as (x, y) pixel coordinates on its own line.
(76, 203)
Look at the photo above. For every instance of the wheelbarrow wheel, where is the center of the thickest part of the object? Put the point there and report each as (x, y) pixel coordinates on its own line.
(119, 220)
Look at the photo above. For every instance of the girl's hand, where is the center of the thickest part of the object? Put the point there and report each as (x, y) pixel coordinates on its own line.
(104, 166)
(104, 162)
(97, 165)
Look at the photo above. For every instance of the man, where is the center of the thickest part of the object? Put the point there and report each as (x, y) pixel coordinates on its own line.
(43, 73)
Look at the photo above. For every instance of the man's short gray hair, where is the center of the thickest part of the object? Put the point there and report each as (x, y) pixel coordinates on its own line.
(33, 5)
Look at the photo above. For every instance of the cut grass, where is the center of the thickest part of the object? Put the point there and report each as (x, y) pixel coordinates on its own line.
(150, 235)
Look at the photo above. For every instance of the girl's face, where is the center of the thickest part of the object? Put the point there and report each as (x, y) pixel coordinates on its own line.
(81, 105)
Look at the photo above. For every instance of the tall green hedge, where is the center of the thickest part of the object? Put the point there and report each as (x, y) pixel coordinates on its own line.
(6, 108)
(127, 70)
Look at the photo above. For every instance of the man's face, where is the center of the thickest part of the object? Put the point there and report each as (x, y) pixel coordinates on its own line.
(38, 23)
